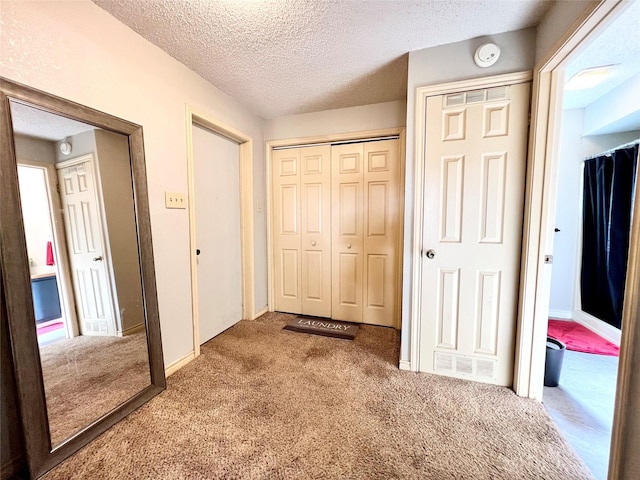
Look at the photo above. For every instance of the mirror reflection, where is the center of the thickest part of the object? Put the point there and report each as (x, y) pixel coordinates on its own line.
(77, 202)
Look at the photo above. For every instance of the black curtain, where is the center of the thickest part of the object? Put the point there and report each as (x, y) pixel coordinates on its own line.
(608, 201)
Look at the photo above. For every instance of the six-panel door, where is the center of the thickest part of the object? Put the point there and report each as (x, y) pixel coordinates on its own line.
(474, 189)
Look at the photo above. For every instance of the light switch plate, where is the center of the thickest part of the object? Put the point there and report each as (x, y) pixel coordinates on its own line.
(174, 200)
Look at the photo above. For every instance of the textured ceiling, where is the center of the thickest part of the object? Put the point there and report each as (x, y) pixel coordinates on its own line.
(37, 123)
(281, 57)
(618, 44)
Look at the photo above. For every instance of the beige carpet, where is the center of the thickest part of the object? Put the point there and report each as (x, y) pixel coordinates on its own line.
(266, 403)
(86, 377)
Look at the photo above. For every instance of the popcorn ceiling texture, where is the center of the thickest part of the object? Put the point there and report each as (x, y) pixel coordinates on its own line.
(284, 57)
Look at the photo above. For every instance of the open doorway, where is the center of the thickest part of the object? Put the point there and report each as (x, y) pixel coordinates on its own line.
(54, 312)
(600, 119)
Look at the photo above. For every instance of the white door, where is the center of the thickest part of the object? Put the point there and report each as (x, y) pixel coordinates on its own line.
(302, 230)
(366, 232)
(84, 232)
(216, 168)
(473, 202)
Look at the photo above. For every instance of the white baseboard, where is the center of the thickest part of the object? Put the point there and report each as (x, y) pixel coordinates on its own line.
(130, 331)
(261, 312)
(560, 314)
(405, 365)
(598, 326)
(178, 364)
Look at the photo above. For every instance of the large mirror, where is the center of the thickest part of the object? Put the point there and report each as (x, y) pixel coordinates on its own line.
(77, 270)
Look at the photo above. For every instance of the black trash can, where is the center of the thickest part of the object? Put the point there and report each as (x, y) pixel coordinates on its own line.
(553, 362)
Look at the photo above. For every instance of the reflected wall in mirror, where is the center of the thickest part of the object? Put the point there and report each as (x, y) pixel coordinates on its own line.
(77, 270)
(77, 205)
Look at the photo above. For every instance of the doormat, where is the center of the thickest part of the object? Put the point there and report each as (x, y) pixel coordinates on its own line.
(323, 326)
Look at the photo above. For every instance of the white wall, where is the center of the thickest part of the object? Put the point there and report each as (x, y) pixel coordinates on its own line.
(615, 111)
(78, 51)
(341, 120)
(448, 63)
(574, 148)
(567, 214)
(36, 217)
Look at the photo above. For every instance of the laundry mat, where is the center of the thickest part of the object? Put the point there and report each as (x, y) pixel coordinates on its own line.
(323, 326)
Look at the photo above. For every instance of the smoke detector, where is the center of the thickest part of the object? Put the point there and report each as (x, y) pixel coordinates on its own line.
(486, 55)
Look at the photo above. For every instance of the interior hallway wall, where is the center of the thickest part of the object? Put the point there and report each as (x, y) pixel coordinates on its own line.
(340, 120)
(78, 51)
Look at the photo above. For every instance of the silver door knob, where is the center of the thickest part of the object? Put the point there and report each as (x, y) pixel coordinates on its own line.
(348, 245)
(313, 244)
(430, 253)
(97, 259)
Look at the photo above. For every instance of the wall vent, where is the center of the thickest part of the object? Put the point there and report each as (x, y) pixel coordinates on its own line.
(477, 96)
(464, 365)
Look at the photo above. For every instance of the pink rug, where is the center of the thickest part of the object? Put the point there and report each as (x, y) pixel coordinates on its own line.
(50, 328)
(580, 339)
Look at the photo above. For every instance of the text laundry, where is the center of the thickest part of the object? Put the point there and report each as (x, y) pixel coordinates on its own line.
(315, 323)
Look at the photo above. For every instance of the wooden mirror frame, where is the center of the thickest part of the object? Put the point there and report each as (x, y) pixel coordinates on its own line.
(15, 280)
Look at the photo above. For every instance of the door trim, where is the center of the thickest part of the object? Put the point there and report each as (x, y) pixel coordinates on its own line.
(65, 284)
(339, 137)
(418, 188)
(246, 214)
(539, 215)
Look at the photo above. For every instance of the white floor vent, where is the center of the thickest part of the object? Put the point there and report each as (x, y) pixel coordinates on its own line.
(464, 365)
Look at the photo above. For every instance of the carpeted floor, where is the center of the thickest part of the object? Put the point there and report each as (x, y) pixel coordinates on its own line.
(86, 377)
(266, 403)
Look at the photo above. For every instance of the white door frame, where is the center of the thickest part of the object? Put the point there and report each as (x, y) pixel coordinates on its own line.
(246, 215)
(332, 138)
(65, 283)
(540, 203)
(418, 199)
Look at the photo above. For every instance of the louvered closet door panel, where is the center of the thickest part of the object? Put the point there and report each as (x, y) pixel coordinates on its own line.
(381, 215)
(287, 261)
(347, 182)
(315, 184)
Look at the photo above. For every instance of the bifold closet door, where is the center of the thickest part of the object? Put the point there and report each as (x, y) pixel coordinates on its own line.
(366, 219)
(302, 224)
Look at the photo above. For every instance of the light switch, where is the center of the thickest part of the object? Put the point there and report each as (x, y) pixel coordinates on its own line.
(174, 200)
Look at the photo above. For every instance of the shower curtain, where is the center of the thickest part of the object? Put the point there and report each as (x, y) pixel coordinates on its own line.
(609, 181)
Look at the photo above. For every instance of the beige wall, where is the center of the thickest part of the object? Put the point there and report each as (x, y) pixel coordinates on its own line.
(78, 51)
(114, 169)
(34, 149)
(556, 23)
(341, 120)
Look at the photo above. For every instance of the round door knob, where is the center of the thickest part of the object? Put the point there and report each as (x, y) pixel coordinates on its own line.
(348, 245)
(97, 259)
(430, 254)
(313, 244)
(197, 251)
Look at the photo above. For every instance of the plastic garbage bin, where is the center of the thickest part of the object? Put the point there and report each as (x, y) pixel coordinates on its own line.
(553, 362)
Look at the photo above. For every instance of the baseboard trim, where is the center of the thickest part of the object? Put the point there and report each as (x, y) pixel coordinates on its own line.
(260, 312)
(178, 364)
(405, 365)
(597, 326)
(130, 331)
(560, 314)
